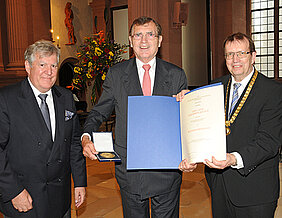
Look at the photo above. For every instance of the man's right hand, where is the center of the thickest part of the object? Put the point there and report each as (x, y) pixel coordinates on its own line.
(88, 148)
(23, 201)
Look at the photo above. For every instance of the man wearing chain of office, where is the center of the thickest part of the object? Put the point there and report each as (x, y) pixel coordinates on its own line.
(246, 184)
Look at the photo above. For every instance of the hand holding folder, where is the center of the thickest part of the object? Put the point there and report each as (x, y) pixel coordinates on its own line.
(162, 132)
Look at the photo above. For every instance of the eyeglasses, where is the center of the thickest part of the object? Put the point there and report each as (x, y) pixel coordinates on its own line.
(240, 54)
(148, 35)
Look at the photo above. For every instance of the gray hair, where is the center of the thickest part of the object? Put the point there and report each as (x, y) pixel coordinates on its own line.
(43, 48)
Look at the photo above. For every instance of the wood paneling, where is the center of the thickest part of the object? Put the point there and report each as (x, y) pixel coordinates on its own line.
(227, 17)
(22, 23)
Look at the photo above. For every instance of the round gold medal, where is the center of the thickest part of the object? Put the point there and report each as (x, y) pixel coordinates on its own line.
(107, 155)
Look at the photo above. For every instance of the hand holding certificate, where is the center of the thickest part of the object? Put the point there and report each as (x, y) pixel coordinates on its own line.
(162, 131)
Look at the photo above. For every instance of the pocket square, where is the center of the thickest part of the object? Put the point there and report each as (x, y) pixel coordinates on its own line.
(68, 115)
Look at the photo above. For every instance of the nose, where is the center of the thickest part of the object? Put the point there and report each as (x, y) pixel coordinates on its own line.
(144, 38)
(49, 70)
(235, 58)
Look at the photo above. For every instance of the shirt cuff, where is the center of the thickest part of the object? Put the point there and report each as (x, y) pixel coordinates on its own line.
(239, 159)
(84, 135)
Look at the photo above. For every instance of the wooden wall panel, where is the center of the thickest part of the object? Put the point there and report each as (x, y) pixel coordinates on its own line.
(22, 23)
(227, 17)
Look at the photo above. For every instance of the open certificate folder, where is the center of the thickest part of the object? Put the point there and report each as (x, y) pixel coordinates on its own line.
(161, 132)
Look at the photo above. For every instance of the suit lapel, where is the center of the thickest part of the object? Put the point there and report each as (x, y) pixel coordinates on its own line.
(59, 102)
(162, 83)
(131, 79)
(249, 98)
(31, 111)
(226, 94)
(132, 83)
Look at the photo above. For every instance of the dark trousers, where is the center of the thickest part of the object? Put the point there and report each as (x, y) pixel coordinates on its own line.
(67, 215)
(222, 207)
(162, 206)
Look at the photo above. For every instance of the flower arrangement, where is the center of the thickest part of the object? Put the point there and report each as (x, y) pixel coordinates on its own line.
(95, 56)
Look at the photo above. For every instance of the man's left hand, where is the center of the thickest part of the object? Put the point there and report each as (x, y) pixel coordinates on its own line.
(79, 195)
(180, 95)
(230, 161)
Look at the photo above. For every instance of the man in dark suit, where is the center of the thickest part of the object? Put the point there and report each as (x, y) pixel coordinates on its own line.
(130, 78)
(246, 184)
(39, 144)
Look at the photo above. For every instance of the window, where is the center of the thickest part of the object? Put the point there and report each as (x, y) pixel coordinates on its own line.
(266, 30)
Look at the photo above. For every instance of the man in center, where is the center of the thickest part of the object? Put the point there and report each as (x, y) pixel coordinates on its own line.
(143, 75)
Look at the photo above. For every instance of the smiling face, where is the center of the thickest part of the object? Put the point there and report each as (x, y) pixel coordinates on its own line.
(43, 71)
(239, 68)
(145, 48)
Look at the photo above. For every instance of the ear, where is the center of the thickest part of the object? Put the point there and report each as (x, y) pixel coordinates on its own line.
(254, 54)
(160, 41)
(130, 41)
(27, 67)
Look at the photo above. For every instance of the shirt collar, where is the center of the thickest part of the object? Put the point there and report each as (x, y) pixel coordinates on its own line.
(151, 62)
(245, 81)
(36, 91)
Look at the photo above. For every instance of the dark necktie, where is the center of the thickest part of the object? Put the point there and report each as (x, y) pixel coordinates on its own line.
(146, 86)
(45, 110)
(235, 97)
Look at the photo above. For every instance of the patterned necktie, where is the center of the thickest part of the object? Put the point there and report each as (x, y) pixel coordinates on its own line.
(146, 85)
(235, 98)
(45, 110)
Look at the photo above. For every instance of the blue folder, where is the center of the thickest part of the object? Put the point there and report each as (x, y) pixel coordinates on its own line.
(153, 133)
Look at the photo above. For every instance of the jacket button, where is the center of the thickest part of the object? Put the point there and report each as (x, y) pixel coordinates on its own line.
(59, 161)
(47, 183)
(48, 164)
(39, 143)
(65, 140)
(59, 180)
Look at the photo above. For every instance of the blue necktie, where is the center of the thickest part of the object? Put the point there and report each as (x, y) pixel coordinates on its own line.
(235, 98)
(45, 110)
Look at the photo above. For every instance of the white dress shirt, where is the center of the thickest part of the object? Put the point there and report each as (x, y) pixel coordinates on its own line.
(244, 83)
(50, 103)
(152, 71)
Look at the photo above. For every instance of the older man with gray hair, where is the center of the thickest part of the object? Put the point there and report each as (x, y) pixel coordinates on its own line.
(39, 141)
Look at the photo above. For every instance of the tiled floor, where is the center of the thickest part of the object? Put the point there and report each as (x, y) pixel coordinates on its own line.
(103, 199)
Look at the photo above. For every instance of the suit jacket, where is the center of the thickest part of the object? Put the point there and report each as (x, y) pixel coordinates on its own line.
(256, 135)
(122, 81)
(29, 159)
